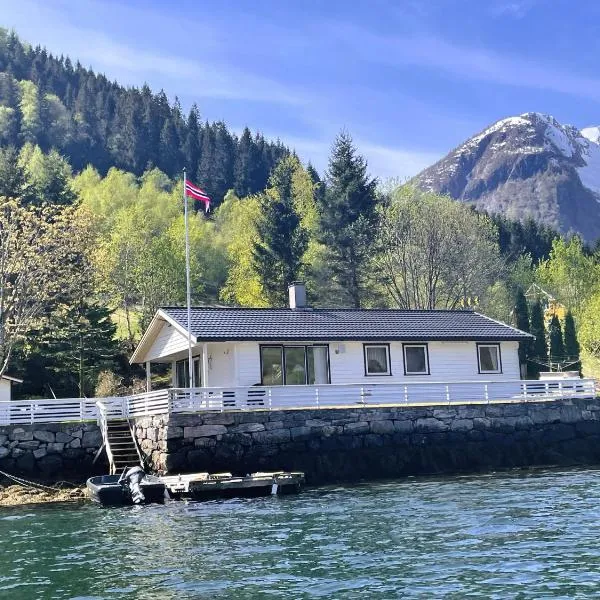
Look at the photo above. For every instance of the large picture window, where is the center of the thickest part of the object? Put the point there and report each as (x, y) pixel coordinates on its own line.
(377, 359)
(416, 359)
(489, 359)
(294, 365)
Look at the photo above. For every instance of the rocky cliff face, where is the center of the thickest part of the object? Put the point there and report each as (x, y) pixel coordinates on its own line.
(527, 166)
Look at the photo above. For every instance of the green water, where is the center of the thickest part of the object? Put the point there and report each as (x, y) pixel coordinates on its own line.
(518, 535)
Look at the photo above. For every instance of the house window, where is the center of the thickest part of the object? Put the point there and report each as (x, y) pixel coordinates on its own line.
(489, 359)
(271, 358)
(182, 378)
(294, 365)
(416, 359)
(377, 359)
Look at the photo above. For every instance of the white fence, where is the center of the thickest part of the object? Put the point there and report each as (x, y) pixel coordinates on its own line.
(302, 396)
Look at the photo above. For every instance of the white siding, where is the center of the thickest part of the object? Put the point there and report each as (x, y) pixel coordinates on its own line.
(248, 363)
(221, 365)
(448, 361)
(169, 341)
(5, 389)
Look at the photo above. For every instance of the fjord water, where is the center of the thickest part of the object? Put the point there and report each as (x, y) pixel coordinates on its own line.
(513, 535)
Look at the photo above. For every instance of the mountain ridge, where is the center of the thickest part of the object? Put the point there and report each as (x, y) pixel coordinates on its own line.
(526, 166)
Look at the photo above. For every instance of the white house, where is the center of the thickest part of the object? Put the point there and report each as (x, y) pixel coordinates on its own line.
(6, 383)
(299, 345)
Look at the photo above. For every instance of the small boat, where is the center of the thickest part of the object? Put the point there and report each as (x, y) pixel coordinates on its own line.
(132, 487)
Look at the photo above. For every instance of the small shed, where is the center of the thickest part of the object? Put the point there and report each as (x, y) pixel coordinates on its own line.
(6, 383)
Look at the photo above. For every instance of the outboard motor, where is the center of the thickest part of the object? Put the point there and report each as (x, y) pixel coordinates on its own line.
(132, 478)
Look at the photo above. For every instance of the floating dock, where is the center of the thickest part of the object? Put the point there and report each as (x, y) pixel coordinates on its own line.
(206, 486)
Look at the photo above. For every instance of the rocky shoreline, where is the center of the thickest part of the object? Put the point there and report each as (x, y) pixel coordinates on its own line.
(18, 495)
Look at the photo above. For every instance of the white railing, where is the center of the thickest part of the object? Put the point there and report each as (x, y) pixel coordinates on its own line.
(177, 400)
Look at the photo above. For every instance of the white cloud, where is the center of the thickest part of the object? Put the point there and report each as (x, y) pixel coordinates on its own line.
(384, 162)
(516, 9)
(464, 62)
(208, 77)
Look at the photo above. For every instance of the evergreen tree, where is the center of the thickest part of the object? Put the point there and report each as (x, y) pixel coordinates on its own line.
(557, 348)
(169, 158)
(572, 348)
(522, 322)
(347, 217)
(319, 185)
(246, 180)
(73, 345)
(191, 147)
(283, 241)
(539, 350)
(13, 182)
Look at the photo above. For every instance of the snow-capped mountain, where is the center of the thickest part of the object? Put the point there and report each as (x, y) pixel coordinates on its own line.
(527, 166)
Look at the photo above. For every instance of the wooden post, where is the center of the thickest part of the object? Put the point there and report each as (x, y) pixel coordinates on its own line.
(148, 377)
(205, 364)
(173, 373)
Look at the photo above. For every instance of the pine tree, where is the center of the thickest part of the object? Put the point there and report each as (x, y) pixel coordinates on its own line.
(283, 241)
(245, 176)
(557, 349)
(522, 323)
(347, 216)
(539, 352)
(13, 181)
(191, 146)
(572, 348)
(169, 157)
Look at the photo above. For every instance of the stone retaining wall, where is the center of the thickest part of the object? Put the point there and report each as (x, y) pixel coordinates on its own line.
(329, 445)
(354, 443)
(53, 451)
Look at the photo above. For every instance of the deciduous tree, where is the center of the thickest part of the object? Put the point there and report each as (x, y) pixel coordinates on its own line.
(433, 252)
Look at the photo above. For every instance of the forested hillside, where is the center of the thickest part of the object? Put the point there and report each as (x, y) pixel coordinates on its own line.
(51, 102)
(92, 232)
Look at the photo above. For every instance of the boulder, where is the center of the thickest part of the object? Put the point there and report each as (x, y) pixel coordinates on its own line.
(92, 439)
(20, 435)
(63, 437)
(204, 431)
(40, 453)
(44, 436)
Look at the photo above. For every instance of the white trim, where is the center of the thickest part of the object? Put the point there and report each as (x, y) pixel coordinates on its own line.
(498, 358)
(13, 379)
(426, 353)
(386, 347)
(158, 317)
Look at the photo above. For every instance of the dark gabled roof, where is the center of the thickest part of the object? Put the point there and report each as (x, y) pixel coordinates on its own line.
(322, 324)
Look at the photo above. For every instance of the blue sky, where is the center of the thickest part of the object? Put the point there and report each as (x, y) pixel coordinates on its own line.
(408, 79)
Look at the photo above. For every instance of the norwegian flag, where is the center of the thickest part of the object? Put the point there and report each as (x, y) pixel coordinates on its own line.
(197, 193)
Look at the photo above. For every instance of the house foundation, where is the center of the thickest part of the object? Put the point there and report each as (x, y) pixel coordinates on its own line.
(349, 444)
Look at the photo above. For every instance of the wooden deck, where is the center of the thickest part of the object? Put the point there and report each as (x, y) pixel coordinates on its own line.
(224, 485)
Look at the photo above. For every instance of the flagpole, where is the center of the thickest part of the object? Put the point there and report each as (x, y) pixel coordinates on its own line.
(188, 286)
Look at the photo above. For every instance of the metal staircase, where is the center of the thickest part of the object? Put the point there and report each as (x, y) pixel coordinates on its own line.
(119, 442)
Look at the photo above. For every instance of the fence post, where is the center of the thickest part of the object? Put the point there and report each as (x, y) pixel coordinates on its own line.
(362, 395)
(270, 400)
(487, 396)
(448, 394)
(406, 394)
(317, 397)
